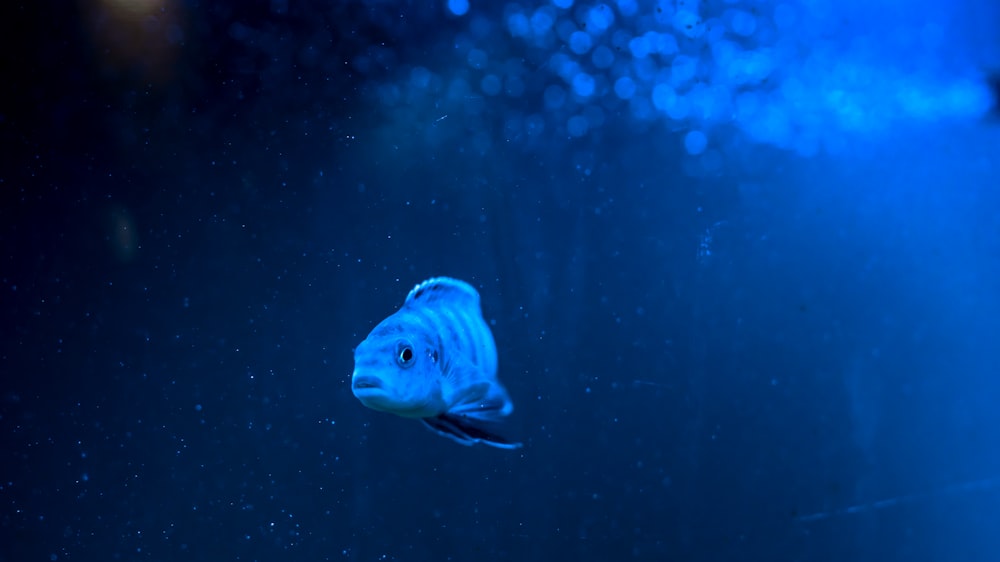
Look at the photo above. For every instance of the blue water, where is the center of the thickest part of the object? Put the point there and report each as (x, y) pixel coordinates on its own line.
(741, 261)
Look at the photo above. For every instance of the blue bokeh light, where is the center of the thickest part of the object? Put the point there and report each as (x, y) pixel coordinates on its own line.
(640, 46)
(627, 7)
(600, 18)
(518, 25)
(775, 74)
(625, 88)
(542, 20)
(683, 69)
(580, 42)
(583, 84)
(695, 142)
(458, 7)
(741, 22)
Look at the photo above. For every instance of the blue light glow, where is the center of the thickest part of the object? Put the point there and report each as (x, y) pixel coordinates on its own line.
(542, 20)
(695, 142)
(683, 69)
(779, 74)
(600, 18)
(583, 84)
(628, 7)
(664, 97)
(741, 22)
(458, 7)
(518, 25)
(580, 42)
(625, 88)
(640, 46)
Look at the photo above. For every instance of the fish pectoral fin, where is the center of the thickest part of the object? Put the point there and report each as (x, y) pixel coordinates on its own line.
(484, 401)
(484, 410)
(463, 430)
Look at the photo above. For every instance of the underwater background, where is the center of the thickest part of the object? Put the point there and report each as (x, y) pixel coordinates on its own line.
(741, 261)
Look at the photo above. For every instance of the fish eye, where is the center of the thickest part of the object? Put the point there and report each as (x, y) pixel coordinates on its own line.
(404, 354)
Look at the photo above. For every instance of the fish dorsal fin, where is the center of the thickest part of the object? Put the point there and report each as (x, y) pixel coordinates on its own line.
(439, 290)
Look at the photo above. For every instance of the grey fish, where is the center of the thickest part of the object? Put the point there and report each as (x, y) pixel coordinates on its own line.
(435, 360)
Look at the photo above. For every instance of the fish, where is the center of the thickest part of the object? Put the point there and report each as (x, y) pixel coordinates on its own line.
(435, 360)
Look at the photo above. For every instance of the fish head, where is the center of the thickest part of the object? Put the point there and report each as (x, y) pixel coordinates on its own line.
(396, 370)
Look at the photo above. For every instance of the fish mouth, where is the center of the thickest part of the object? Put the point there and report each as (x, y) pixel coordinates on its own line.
(366, 382)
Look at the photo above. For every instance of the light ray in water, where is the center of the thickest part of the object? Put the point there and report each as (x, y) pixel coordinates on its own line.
(987, 484)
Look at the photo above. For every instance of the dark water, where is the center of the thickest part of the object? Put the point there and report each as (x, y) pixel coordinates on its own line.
(756, 352)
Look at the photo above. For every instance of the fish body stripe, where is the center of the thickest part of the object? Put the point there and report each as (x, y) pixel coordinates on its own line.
(458, 333)
(453, 389)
